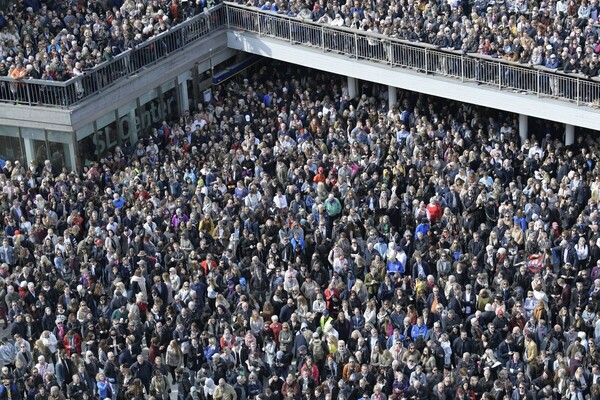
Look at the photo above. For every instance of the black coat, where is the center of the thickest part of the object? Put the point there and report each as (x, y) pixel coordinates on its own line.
(142, 371)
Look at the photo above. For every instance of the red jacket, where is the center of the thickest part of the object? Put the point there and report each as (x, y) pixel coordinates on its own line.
(276, 327)
(72, 346)
(153, 352)
(329, 293)
(435, 212)
(320, 177)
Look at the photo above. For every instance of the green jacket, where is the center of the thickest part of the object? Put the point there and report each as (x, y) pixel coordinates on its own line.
(333, 207)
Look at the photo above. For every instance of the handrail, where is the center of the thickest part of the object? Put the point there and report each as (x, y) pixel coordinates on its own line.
(422, 57)
(108, 73)
(358, 44)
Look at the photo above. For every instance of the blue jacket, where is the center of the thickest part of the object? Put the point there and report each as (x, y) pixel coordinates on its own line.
(552, 63)
(416, 331)
(14, 392)
(395, 267)
(104, 389)
(422, 228)
(295, 243)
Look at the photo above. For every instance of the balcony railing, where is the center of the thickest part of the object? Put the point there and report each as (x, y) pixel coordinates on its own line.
(481, 69)
(356, 44)
(69, 93)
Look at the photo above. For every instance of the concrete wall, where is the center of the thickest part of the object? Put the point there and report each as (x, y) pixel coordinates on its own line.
(222, 45)
(487, 96)
(136, 85)
(55, 119)
(68, 120)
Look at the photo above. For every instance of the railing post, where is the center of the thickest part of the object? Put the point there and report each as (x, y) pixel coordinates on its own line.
(226, 7)
(323, 38)
(28, 88)
(499, 75)
(258, 23)
(356, 45)
(97, 81)
(426, 52)
(578, 89)
(66, 100)
(291, 38)
(182, 36)
(391, 53)
(538, 84)
(462, 67)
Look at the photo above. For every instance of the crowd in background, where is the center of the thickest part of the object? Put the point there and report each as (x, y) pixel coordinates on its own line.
(285, 240)
(58, 40)
(560, 35)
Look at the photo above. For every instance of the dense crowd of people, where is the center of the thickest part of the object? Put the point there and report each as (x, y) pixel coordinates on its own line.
(58, 40)
(285, 240)
(559, 35)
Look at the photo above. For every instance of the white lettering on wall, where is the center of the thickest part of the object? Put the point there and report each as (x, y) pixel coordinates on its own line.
(105, 139)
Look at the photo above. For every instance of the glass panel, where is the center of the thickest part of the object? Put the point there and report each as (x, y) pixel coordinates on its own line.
(10, 145)
(128, 124)
(60, 153)
(86, 148)
(190, 86)
(150, 111)
(154, 113)
(165, 87)
(106, 138)
(38, 139)
(85, 144)
(104, 120)
(40, 151)
(11, 131)
(170, 103)
(127, 108)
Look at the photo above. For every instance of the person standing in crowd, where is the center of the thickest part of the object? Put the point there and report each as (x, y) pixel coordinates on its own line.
(311, 256)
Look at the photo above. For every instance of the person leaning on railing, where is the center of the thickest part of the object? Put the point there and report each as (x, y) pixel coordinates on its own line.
(82, 34)
(489, 29)
(572, 66)
(591, 67)
(18, 73)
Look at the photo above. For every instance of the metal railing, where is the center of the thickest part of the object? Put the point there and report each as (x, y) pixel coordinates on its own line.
(425, 58)
(65, 94)
(353, 43)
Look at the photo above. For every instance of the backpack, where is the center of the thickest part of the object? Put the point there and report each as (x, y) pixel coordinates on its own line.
(536, 263)
(318, 350)
(539, 311)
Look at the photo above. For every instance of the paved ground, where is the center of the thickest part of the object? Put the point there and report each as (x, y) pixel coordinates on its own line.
(173, 387)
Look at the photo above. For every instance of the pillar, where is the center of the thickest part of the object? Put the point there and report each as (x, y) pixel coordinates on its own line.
(75, 147)
(569, 134)
(184, 99)
(195, 85)
(70, 157)
(161, 103)
(392, 96)
(523, 127)
(133, 128)
(29, 149)
(352, 87)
